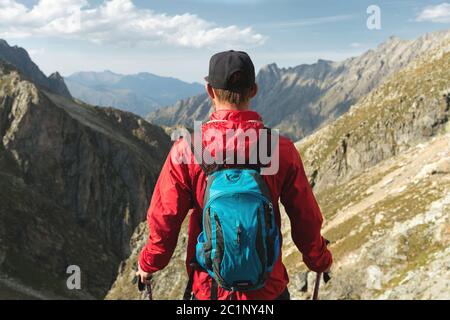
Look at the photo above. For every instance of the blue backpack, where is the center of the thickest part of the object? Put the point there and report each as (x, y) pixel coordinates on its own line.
(240, 241)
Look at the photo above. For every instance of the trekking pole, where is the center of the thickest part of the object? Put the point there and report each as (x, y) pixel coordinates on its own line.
(144, 287)
(326, 278)
(317, 286)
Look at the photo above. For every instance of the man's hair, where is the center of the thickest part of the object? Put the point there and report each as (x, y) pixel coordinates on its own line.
(237, 96)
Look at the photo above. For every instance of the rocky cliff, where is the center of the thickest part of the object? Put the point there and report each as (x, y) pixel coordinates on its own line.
(75, 182)
(408, 108)
(301, 99)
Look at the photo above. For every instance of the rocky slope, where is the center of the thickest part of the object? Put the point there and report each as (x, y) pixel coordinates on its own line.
(382, 177)
(168, 284)
(409, 107)
(389, 228)
(21, 60)
(299, 100)
(381, 174)
(139, 93)
(75, 182)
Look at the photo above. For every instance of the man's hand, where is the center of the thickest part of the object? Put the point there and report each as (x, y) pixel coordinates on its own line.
(145, 277)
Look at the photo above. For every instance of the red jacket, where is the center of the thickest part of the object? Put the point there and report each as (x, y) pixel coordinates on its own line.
(180, 188)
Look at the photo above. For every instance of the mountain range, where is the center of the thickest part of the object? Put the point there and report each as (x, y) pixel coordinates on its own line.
(138, 93)
(300, 99)
(20, 58)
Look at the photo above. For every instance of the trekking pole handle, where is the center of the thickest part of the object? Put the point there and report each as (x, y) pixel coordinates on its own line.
(144, 287)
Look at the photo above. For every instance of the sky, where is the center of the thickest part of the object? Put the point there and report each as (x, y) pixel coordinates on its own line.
(176, 38)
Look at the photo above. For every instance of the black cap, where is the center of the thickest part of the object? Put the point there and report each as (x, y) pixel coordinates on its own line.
(224, 64)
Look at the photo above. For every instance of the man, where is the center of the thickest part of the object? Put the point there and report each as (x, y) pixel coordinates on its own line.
(181, 187)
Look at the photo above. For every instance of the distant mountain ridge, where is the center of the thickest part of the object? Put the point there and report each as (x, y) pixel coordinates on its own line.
(20, 58)
(138, 93)
(299, 100)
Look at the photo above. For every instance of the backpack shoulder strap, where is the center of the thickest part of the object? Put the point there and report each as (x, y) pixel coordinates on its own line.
(208, 169)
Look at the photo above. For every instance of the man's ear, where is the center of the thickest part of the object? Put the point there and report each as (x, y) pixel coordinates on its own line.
(254, 91)
(210, 91)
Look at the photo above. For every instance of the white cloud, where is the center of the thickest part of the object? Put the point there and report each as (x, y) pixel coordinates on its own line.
(118, 22)
(439, 13)
(10, 8)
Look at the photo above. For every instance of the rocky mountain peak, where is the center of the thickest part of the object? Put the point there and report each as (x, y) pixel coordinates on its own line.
(56, 76)
(20, 58)
(323, 61)
(57, 85)
(271, 68)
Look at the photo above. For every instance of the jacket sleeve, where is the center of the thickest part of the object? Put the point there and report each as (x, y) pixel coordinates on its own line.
(171, 201)
(305, 216)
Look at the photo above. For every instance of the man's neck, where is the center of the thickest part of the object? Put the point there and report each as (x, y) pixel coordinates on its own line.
(231, 107)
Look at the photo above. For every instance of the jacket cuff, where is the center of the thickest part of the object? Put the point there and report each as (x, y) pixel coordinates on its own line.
(321, 263)
(145, 263)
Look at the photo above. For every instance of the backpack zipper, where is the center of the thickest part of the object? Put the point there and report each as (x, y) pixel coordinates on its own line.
(239, 231)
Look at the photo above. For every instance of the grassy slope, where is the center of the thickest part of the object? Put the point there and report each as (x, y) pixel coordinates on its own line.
(399, 224)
